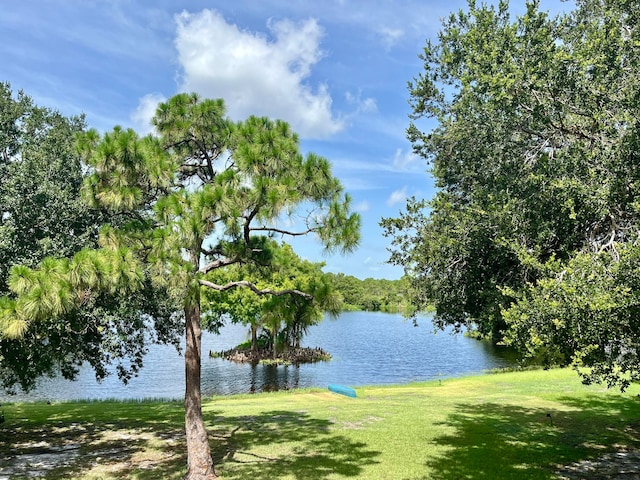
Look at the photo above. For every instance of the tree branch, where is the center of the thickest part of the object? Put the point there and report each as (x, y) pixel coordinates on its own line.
(218, 264)
(211, 252)
(247, 229)
(252, 287)
(284, 232)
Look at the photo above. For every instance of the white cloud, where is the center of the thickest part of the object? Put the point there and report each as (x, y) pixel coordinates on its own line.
(363, 206)
(257, 75)
(145, 111)
(404, 161)
(371, 265)
(357, 183)
(390, 36)
(363, 105)
(397, 196)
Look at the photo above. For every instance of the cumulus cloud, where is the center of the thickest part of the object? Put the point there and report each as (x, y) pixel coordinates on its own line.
(397, 196)
(256, 74)
(142, 116)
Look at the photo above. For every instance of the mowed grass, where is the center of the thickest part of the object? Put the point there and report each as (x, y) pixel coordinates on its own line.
(521, 425)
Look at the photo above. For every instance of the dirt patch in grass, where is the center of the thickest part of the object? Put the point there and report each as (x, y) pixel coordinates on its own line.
(86, 452)
(37, 459)
(618, 465)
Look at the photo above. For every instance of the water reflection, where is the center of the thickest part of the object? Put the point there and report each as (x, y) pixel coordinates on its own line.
(271, 378)
(367, 349)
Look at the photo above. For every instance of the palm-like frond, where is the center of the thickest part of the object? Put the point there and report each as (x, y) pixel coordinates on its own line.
(21, 279)
(14, 327)
(10, 325)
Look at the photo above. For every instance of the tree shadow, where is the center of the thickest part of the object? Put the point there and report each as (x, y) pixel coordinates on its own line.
(493, 441)
(285, 443)
(71, 439)
(146, 441)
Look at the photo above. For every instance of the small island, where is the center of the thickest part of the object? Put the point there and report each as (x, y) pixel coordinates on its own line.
(291, 356)
(278, 324)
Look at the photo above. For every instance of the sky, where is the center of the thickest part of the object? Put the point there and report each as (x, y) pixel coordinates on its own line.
(336, 70)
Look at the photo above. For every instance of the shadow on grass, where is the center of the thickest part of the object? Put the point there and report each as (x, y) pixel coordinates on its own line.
(497, 441)
(125, 440)
(284, 443)
(146, 441)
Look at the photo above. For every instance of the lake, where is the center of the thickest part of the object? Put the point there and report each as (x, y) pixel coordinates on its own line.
(368, 348)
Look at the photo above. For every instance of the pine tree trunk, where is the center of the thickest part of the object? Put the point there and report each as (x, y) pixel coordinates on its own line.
(199, 461)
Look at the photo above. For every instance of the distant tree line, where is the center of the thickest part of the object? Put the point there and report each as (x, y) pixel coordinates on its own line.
(371, 294)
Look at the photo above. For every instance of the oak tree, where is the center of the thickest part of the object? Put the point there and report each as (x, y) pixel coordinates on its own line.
(43, 215)
(535, 159)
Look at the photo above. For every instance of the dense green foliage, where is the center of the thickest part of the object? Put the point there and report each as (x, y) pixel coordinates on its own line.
(532, 234)
(371, 294)
(43, 215)
(283, 319)
(41, 212)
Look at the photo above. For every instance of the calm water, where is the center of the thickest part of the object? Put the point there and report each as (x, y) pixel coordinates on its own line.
(367, 348)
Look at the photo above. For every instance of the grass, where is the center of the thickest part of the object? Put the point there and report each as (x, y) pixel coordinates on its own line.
(517, 425)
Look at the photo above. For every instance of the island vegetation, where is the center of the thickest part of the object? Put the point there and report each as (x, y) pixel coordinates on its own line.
(277, 325)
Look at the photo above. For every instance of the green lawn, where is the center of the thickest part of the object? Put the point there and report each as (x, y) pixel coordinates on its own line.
(500, 426)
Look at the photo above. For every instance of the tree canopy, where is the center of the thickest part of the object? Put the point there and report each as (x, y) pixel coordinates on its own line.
(532, 234)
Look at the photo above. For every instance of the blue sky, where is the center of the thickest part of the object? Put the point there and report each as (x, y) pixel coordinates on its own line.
(336, 70)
